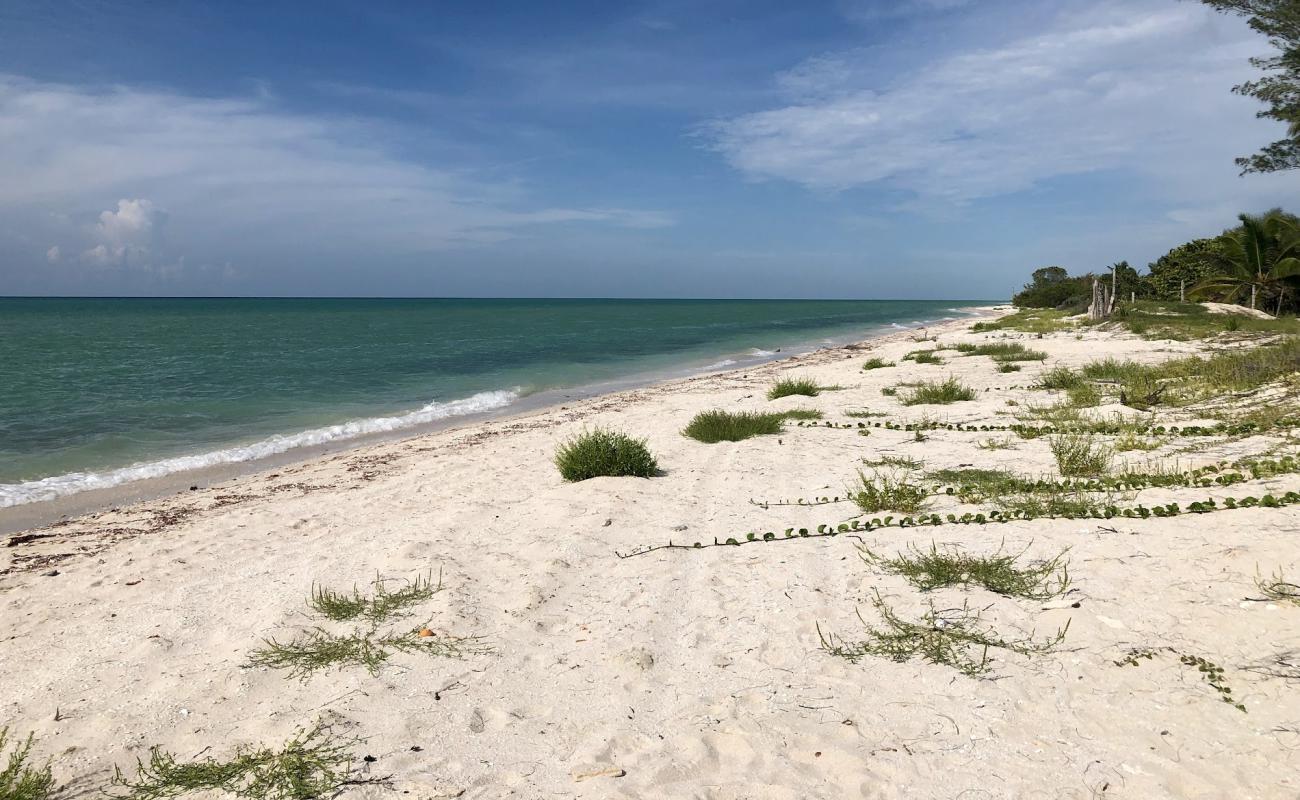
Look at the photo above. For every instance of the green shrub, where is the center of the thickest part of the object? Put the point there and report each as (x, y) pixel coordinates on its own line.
(725, 426)
(1007, 366)
(939, 393)
(787, 387)
(877, 363)
(1078, 456)
(19, 780)
(604, 453)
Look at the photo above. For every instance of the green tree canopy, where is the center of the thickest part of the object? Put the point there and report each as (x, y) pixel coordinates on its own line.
(1263, 255)
(1279, 20)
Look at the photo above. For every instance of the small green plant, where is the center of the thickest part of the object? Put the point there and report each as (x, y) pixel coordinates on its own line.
(1005, 443)
(19, 780)
(877, 363)
(804, 414)
(1130, 441)
(315, 763)
(998, 573)
(379, 606)
(942, 392)
(315, 649)
(1059, 378)
(900, 462)
(711, 427)
(1085, 395)
(601, 452)
(1078, 456)
(1007, 366)
(787, 387)
(864, 414)
(1005, 352)
(889, 391)
(923, 357)
(957, 638)
(883, 491)
(1277, 587)
(1212, 673)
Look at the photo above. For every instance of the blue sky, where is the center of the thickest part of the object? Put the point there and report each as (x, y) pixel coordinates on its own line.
(857, 148)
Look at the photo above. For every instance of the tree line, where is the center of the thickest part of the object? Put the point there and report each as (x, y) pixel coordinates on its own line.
(1256, 263)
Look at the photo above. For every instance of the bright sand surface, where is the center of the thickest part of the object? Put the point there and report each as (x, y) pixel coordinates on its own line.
(675, 674)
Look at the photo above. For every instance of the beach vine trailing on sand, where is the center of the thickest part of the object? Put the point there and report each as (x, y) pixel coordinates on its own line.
(316, 648)
(1207, 506)
(313, 764)
(1212, 673)
(951, 637)
(998, 573)
(1010, 490)
(19, 780)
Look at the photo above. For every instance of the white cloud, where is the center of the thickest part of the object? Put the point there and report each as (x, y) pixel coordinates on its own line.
(53, 254)
(240, 176)
(1142, 86)
(125, 235)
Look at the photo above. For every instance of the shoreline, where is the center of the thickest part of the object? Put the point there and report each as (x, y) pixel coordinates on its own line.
(583, 659)
(24, 517)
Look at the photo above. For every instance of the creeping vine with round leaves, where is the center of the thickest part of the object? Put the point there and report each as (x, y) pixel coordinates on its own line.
(1207, 506)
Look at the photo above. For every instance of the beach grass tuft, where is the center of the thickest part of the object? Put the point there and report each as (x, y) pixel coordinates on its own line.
(998, 573)
(942, 392)
(315, 763)
(877, 363)
(1004, 351)
(788, 387)
(604, 453)
(19, 779)
(715, 426)
(923, 357)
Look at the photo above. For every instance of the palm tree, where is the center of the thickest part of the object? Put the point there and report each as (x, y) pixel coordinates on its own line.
(1262, 255)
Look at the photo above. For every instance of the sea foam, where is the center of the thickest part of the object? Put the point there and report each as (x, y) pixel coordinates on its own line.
(13, 494)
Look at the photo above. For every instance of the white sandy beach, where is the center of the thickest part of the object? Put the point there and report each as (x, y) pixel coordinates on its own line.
(674, 674)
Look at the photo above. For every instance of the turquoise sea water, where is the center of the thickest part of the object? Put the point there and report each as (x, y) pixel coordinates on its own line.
(98, 392)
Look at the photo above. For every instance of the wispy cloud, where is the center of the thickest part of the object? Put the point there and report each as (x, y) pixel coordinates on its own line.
(90, 169)
(1142, 86)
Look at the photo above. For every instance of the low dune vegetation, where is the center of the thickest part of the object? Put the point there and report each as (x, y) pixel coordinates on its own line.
(20, 778)
(877, 363)
(949, 390)
(789, 387)
(604, 453)
(930, 356)
(716, 426)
